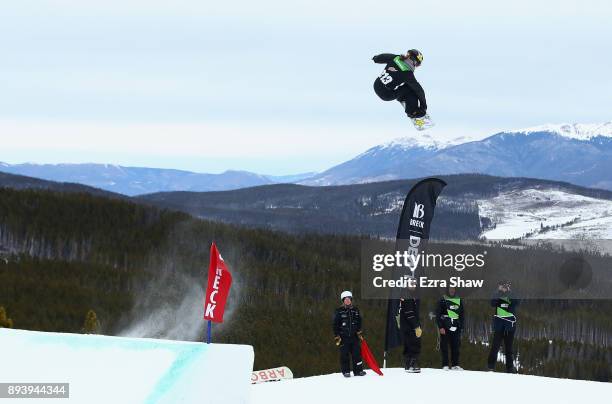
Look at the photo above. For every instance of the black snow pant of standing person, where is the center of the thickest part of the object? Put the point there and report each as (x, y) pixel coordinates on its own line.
(412, 346)
(507, 336)
(350, 347)
(403, 94)
(452, 338)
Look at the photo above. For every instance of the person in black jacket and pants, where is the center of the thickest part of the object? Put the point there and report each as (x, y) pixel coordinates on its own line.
(504, 326)
(397, 82)
(348, 334)
(450, 320)
(410, 325)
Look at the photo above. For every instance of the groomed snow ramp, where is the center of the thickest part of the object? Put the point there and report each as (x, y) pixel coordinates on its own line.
(115, 370)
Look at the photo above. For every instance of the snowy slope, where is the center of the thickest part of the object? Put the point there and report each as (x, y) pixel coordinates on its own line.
(105, 370)
(423, 140)
(578, 131)
(431, 386)
(521, 212)
(380, 163)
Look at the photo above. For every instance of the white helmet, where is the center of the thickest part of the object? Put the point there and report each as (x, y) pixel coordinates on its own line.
(345, 294)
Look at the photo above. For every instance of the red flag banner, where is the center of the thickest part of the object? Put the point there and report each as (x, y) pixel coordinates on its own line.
(369, 359)
(219, 283)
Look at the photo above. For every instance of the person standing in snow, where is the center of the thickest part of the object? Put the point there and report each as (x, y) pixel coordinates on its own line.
(397, 82)
(348, 335)
(450, 319)
(410, 326)
(504, 326)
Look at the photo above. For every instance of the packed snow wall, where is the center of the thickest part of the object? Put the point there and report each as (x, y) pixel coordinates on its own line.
(102, 369)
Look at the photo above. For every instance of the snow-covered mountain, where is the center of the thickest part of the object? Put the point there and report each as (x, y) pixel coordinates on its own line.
(384, 162)
(576, 153)
(579, 131)
(139, 180)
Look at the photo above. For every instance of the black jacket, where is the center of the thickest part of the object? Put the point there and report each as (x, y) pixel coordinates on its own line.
(508, 304)
(399, 73)
(347, 321)
(409, 314)
(444, 320)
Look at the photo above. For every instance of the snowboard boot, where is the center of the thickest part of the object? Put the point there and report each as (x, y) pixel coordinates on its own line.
(412, 366)
(347, 374)
(361, 373)
(445, 367)
(456, 367)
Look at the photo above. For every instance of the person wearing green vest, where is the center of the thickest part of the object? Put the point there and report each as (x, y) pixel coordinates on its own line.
(397, 81)
(450, 318)
(504, 326)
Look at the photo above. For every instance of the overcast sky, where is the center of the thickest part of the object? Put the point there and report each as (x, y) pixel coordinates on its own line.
(281, 87)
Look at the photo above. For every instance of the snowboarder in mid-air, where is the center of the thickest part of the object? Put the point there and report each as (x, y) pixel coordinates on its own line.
(348, 334)
(397, 82)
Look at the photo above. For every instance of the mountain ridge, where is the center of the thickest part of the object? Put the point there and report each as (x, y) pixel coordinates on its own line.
(576, 153)
(132, 181)
(373, 208)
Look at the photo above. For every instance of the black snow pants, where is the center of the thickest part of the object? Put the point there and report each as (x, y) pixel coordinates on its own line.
(454, 340)
(507, 336)
(403, 94)
(350, 347)
(412, 345)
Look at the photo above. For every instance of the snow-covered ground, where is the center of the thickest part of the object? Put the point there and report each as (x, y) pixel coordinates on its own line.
(517, 213)
(116, 370)
(432, 386)
(120, 370)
